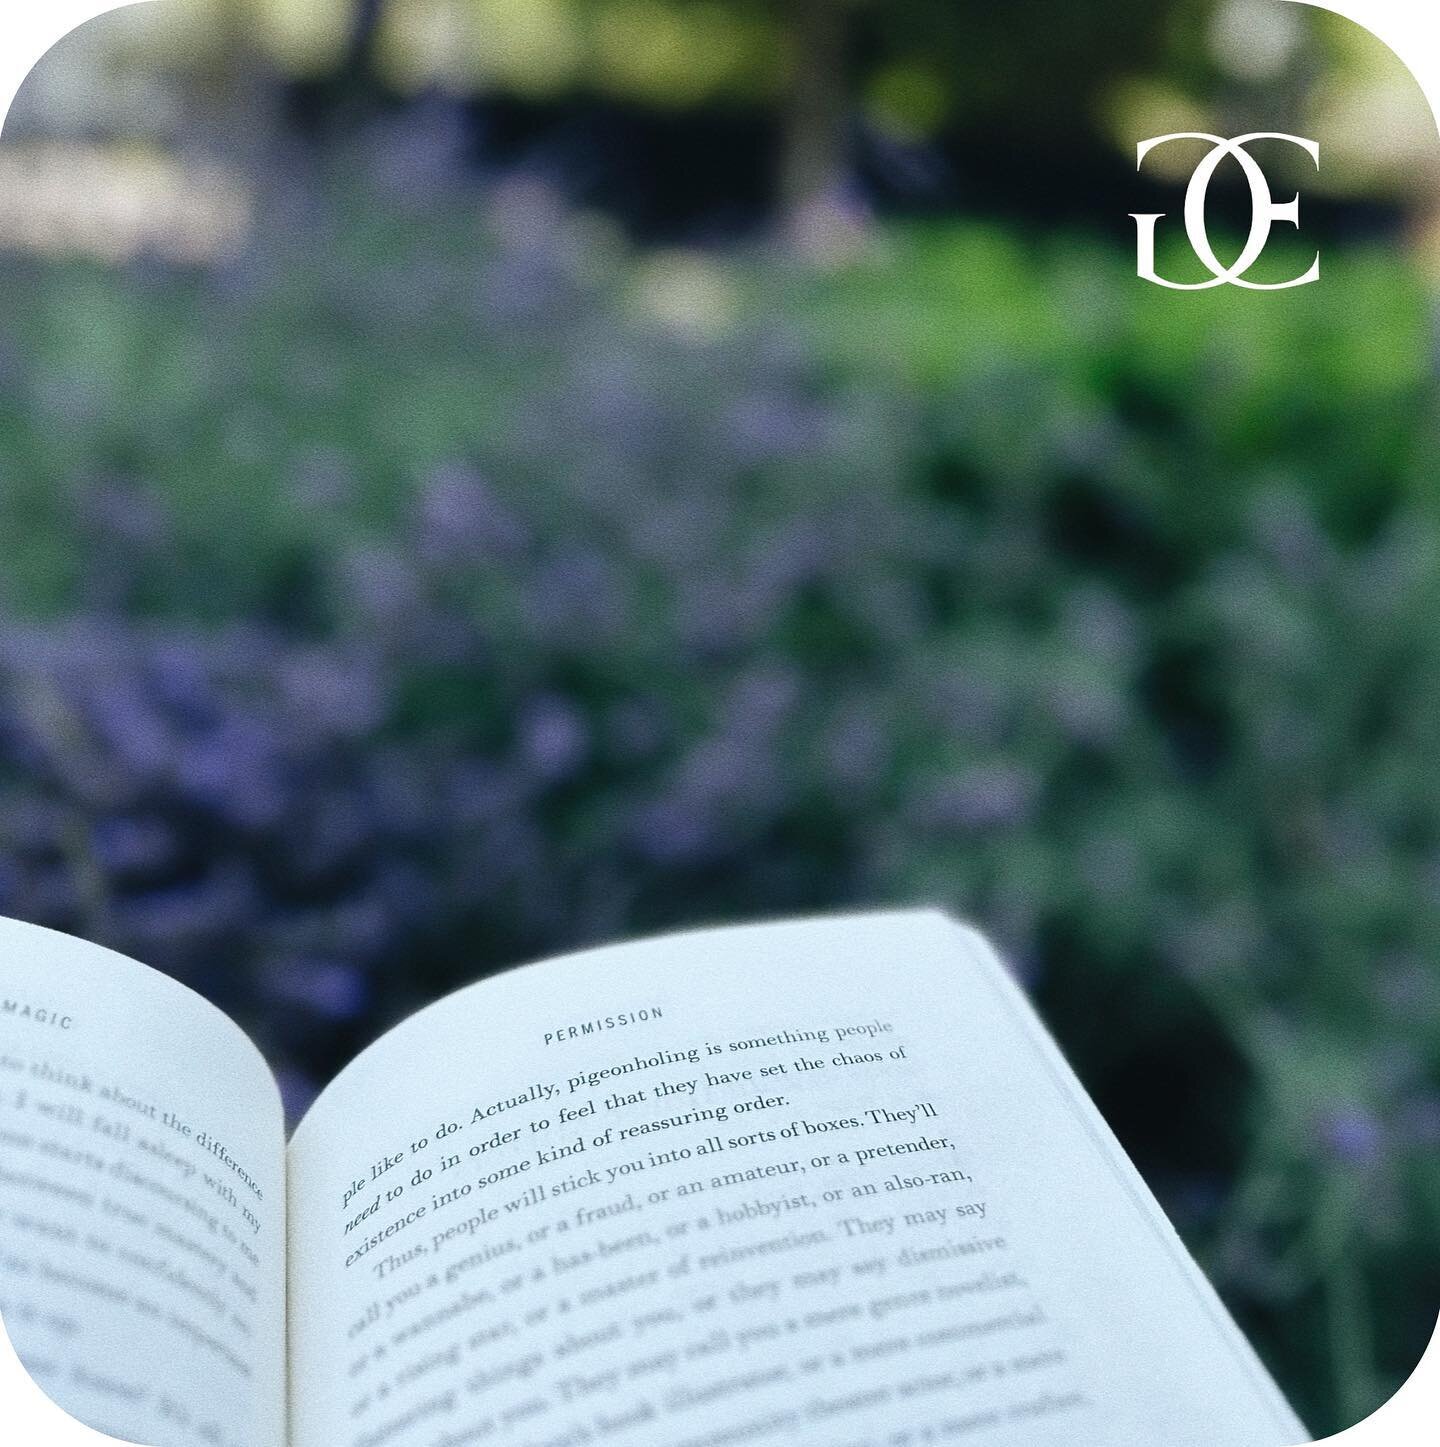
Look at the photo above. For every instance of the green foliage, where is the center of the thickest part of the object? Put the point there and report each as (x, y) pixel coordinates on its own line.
(674, 587)
(1184, 402)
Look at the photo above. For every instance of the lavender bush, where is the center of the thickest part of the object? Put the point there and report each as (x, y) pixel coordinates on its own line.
(436, 586)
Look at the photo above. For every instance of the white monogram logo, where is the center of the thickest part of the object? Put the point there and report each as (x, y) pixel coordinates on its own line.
(1265, 212)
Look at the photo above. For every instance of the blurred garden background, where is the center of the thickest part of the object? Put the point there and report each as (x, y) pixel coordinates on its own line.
(484, 477)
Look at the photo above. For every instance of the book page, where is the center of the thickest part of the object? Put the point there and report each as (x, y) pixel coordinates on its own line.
(142, 1200)
(825, 1182)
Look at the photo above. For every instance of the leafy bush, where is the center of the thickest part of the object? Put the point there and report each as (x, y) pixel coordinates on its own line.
(403, 600)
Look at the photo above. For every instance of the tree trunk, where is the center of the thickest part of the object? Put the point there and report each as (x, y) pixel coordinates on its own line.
(814, 150)
(358, 63)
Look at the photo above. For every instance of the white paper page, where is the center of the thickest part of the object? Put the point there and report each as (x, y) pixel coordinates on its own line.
(142, 1200)
(550, 1211)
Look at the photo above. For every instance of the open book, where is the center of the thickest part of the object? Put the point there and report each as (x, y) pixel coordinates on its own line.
(827, 1182)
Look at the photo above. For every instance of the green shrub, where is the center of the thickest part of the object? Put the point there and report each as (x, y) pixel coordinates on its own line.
(403, 599)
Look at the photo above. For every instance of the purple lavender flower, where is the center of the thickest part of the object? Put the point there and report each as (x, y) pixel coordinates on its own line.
(1351, 1134)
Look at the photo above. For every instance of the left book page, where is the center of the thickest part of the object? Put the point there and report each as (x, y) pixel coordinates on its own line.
(142, 1199)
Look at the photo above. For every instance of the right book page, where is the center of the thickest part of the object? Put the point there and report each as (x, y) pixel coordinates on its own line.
(827, 1181)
